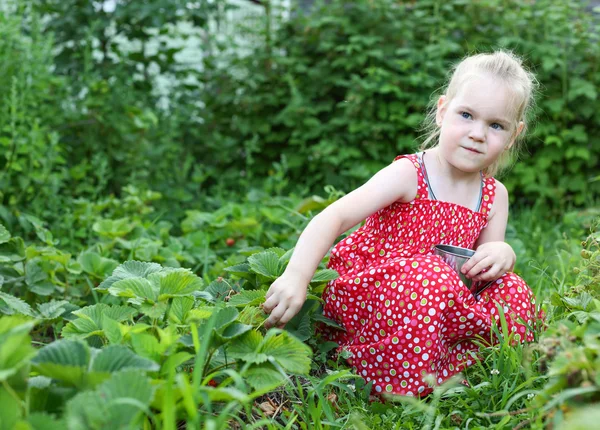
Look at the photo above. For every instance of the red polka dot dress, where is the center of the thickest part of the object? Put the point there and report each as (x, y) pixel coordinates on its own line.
(407, 314)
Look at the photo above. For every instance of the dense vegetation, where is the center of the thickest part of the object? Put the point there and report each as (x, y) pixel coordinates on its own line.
(140, 229)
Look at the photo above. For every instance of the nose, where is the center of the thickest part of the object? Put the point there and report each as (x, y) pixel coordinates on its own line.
(477, 131)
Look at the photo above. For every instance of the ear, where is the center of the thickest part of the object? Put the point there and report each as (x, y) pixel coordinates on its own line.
(441, 110)
(517, 132)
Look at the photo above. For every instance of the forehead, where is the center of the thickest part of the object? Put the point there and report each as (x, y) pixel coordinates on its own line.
(487, 96)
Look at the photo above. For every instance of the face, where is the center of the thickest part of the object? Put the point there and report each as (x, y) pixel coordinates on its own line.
(476, 126)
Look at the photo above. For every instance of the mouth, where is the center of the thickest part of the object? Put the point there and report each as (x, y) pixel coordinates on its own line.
(472, 150)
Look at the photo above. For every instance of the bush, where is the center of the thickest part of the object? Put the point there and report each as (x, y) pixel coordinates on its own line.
(334, 95)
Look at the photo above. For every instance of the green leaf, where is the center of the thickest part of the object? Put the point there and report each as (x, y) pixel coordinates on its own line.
(266, 263)
(96, 265)
(16, 304)
(118, 402)
(139, 289)
(113, 228)
(114, 358)
(174, 361)
(324, 275)
(44, 421)
(176, 282)
(234, 330)
(146, 345)
(247, 298)
(91, 318)
(247, 347)
(225, 317)
(154, 311)
(264, 377)
(4, 234)
(12, 251)
(65, 360)
(15, 345)
(130, 269)
(52, 309)
(180, 308)
(112, 330)
(10, 409)
(293, 355)
(239, 269)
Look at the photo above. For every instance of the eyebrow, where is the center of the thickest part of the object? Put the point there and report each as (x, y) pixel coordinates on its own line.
(470, 109)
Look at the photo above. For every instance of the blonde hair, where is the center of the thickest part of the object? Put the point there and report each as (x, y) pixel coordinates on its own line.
(508, 68)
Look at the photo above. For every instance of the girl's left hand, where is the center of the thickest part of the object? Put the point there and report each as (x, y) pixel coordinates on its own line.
(490, 261)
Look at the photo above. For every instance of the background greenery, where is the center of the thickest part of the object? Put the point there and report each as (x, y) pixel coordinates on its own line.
(205, 187)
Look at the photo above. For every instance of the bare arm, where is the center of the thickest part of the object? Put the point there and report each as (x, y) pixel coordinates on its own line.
(491, 251)
(397, 181)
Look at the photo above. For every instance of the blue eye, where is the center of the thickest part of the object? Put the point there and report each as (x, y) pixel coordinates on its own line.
(497, 126)
(465, 115)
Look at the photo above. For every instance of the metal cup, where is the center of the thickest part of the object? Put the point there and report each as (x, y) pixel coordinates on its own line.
(455, 257)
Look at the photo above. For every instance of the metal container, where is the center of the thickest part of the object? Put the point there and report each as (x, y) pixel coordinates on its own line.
(455, 257)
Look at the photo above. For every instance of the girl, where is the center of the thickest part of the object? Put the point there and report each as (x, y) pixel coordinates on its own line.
(406, 313)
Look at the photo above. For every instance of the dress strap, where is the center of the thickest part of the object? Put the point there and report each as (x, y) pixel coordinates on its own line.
(422, 192)
(488, 194)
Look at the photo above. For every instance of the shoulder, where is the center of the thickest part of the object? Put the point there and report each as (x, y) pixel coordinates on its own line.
(405, 169)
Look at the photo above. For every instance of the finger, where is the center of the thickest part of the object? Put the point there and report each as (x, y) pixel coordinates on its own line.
(270, 304)
(491, 274)
(477, 268)
(287, 316)
(476, 258)
(276, 315)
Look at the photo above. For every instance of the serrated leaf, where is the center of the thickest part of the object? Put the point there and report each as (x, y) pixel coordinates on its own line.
(45, 421)
(118, 402)
(16, 304)
(136, 287)
(293, 355)
(239, 269)
(4, 234)
(234, 330)
(174, 361)
(112, 330)
(247, 298)
(280, 252)
(246, 348)
(15, 345)
(12, 251)
(180, 308)
(266, 264)
(301, 329)
(324, 275)
(146, 345)
(176, 282)
(65, 360)
(96, 265)
(114, 358)
(52, 310)
(285, 258)
(130, 269)
(218, 289)
(90, 321)
(154, 311)
(264, 377)
(225, 317)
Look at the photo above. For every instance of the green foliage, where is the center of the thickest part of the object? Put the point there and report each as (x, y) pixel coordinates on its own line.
(334, 95)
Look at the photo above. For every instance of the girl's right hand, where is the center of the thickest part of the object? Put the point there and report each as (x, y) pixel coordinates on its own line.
(284, 299)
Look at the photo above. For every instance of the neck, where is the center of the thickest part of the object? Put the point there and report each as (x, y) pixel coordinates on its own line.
(442, 169)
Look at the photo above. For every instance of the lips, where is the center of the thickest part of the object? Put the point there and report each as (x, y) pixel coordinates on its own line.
(472, 150)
